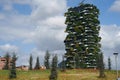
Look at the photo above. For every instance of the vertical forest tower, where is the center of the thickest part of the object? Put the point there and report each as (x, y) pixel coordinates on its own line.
(82, 41)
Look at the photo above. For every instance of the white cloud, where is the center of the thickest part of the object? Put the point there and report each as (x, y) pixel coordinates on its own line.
(51, 28)
(8, 48)
(2, 16)
(14, 33)
(49, 34)
(49, 39)
(110, 34)
(57, 21)
(115, 6)
(7, 7)
(44, 9)
(110, 42)
(17, 26)
(15, 1)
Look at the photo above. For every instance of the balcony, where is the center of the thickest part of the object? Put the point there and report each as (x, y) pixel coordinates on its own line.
(67, 48)
(89, 42)
(90, 54)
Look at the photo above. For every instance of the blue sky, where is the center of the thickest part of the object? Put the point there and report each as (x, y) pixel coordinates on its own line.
(24, 9)
(32, 27)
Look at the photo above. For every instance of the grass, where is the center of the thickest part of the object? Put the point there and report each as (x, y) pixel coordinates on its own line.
(76, 74)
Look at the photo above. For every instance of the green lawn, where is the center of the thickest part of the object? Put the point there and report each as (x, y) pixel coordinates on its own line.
(76, 74)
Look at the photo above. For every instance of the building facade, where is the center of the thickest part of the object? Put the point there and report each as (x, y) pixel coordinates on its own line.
(3, 62)
(23, 67)
(83, 41)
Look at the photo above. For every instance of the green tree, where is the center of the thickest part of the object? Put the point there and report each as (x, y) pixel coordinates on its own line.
(83, 35)
(54, 73)
(63, 64)
(109, 63)
(46, 60)
(77, 63)
(101, 65)
(37, 66)
(30, 62)
(7, 65)
(13, 67)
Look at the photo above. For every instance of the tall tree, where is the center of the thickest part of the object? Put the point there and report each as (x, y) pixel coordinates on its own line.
(30, 62)
(13, 67)
(83, 35)
(109, 63)
(77, 63)
(101, 65)
(46, 60)
(63, 64)
(37, 66)
(7, 63)
(54, 74)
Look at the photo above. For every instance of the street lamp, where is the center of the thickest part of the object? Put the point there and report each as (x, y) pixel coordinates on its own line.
(116, 54)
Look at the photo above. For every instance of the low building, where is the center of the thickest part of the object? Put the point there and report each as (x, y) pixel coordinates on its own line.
(42, 68)
(3, 62)
(23, 67)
